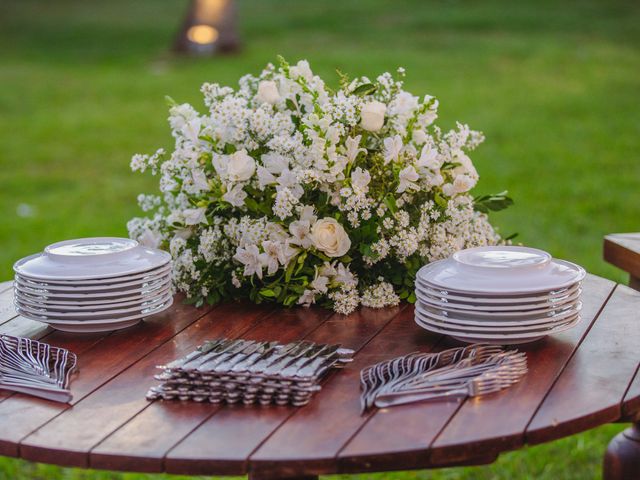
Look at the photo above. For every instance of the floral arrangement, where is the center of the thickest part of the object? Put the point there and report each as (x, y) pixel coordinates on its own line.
(288, 191)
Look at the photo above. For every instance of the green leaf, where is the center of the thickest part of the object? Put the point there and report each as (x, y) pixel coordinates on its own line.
(511, 237)
(495, 203)
(267, 292)
(289, 272)
(364, 89)
(412, 298)
(291, 105)
(170, 101)
(290, 300)
(390, 202)
(450, 165)
(440, 200)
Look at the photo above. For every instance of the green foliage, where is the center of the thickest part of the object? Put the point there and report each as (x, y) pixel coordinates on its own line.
(492, 203)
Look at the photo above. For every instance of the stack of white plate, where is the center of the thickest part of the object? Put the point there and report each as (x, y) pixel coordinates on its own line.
(501, 295)
(93, 284)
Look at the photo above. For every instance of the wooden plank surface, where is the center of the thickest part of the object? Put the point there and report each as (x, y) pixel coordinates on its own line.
(591, 389)
(407, 435)
(111, 425)
(107, 357)
(223, 443)
(7, 310)
(631, 402)
(334, 416)
(77, 430)
(475, 428)
(143, 445)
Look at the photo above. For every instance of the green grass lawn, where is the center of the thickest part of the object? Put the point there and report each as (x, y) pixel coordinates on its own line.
(555, 88)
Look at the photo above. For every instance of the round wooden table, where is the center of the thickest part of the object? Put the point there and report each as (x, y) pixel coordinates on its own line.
(579, 379)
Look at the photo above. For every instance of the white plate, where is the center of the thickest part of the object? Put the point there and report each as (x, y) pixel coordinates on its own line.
(94, 326)
(90, 297)
(522, 320)
(91, 328)
(91, 258)
(497, 339)
(147, 300)
(490, 327)
(549, 312)
(466, 331)
(496, 299)
(141, 277)
(106, 287)
(531, 308)
(95, 314)
(115, 301)
(501, 270)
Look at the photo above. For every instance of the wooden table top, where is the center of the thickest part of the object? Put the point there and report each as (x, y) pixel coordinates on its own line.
(578, 379)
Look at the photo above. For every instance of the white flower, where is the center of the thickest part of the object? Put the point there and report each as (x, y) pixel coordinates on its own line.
(353, 149)
(191, 130)
(310, 151)
(463, 183)
(360, 180)
(429, 158)
(301, 229)
(241, 166)
(150, 238)
(252, 259)
(265, 177)
(329, 237)
(274, 162)
(308, 213)
(288, 179)
(420, 137)
(408, 176)
(320, 284)
(448, 189)
(235, 196)
(268, 92)
(327, 270)
(272, 251)
(466, 166)
(200, 179)
(403, 104)
(372, 116)
(307, 298)
(302, 69)
(194, 216)
(392, 148)
(345, 277)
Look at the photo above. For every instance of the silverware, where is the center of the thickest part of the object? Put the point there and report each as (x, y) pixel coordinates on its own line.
(435, 375)
(243, 371)
(35, 368)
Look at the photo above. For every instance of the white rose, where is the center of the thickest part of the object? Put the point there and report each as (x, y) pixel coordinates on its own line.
(372, 116)
(241, 166)
(329, 237)
(268, 92)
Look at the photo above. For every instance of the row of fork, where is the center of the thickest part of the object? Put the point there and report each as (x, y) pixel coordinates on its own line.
(473, 370)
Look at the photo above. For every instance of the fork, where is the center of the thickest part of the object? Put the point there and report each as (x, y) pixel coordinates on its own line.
(479, 386)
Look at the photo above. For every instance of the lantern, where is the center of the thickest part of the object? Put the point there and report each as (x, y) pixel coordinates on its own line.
(209, 28)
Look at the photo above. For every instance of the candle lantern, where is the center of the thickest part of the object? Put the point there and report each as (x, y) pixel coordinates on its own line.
(209, 28)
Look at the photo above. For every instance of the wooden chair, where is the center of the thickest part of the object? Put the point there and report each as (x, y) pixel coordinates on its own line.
(622, 459)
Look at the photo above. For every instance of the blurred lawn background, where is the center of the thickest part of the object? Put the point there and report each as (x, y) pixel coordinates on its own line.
(555, 86)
